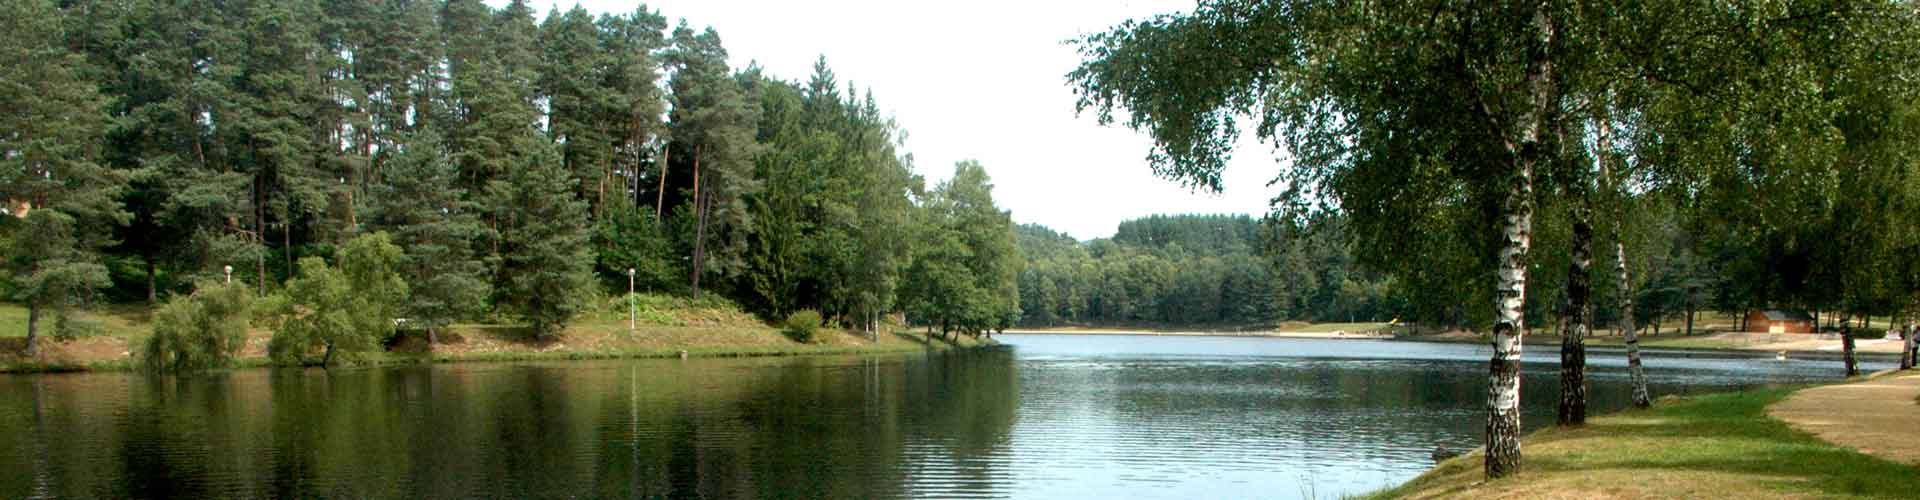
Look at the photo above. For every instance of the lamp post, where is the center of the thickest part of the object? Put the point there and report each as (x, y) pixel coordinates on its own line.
(229, 275)
(632, 309)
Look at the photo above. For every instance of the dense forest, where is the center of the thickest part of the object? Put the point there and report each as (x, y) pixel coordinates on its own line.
(1239, 271)
(1224, 270)
(478, 163)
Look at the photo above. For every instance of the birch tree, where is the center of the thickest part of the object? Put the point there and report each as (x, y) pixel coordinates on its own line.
(1394, 108)
(1361, 95)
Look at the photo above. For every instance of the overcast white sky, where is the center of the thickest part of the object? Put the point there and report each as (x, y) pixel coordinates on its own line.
(980, 80)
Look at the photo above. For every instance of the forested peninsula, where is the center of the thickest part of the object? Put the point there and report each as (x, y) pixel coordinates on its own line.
(355, 175)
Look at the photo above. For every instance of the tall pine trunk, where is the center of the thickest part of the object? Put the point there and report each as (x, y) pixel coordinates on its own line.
(286, 241)
(1641, 397)
(1578, 321)
(260, 233)
(700, 226)
(660, 197)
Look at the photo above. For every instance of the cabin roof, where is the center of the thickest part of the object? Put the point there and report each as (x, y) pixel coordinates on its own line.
(1786, 315)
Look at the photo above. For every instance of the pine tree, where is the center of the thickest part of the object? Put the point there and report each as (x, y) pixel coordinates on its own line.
(572, 78)
(272, 130)
(49, 176)
(634, 102)
(191, 209)
(714, 116)
(418, 200)
(490, 106)
(386, 88)
(546, 264)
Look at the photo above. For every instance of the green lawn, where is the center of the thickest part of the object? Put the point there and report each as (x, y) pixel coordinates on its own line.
(119, 320)
(1715, 446)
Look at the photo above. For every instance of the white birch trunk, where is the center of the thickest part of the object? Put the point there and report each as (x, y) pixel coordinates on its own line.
(1641, 397)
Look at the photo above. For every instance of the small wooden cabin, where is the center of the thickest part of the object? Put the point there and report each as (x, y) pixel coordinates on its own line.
(1779, 321)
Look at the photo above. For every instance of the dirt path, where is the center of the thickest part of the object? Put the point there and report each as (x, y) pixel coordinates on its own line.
(1878, 417)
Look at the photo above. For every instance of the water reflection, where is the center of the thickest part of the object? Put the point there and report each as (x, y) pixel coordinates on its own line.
(1060, 417)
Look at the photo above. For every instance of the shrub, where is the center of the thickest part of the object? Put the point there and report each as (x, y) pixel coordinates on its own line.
(199, 331)
(1869, 333)
(802, 325)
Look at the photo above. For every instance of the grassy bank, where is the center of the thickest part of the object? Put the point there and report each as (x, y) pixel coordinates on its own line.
(665, 327)
(1714, 446)
(1548, 338)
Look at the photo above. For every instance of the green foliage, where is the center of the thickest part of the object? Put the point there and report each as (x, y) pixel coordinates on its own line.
(502, 155)
(1787, 146)
(633, 240)
(1200, 234)
(51, 270)
(546, 269)
(676, 310)
(801, 325)
(48, 164)
(714, 113)
(1193, 270)
(372, 267)
(648, 309)
(830, 222)
(199, 331)
(345, 310)
(421, 204)
(965, 276)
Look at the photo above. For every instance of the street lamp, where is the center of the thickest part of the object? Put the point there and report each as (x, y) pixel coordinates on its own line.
(632, 309)
(229, 275)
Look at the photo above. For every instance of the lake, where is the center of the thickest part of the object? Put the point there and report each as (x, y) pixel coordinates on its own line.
(1048, 417)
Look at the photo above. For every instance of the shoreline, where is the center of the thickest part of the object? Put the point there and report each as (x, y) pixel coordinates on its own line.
(1604, 343)
(903, 343)
(1732, 445)
(1610, 343)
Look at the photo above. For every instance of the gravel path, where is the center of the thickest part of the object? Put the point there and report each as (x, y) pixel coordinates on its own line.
(1879, 417)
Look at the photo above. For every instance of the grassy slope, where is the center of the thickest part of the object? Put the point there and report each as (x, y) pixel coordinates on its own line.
(666, 326)
(1715, 446)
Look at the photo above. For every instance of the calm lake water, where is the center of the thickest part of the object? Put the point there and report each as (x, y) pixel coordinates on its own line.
(1052, 417)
